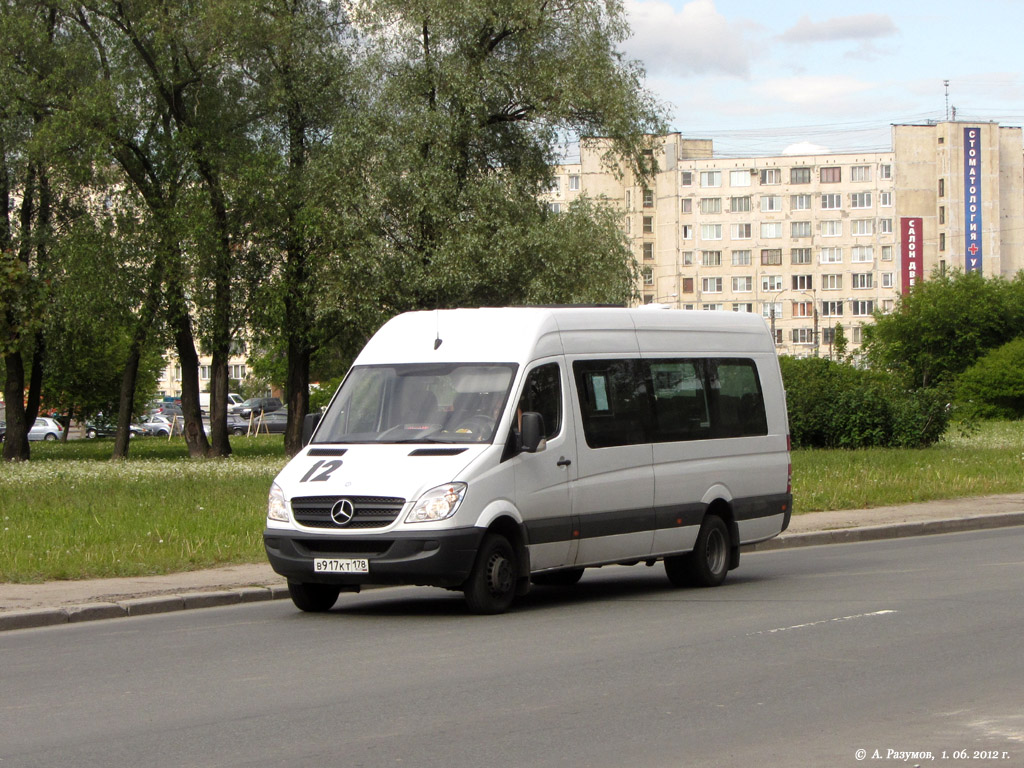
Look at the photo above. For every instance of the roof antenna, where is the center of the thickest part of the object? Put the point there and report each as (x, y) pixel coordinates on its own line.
(437, 330)
(946, 84)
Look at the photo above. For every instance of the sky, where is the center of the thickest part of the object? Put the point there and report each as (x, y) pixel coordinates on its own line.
(771, 77)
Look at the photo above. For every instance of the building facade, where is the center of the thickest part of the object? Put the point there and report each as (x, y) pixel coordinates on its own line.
(814, 242)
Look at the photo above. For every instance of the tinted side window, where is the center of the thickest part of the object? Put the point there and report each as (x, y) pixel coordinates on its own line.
(542, 394)
(740, 405)
(614, 402)
(680, 400)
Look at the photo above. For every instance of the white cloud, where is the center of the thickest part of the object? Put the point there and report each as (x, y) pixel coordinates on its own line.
(696, 40)
(857, 28)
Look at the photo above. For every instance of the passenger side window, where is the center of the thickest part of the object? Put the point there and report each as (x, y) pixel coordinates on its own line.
(680, 400)
(613, 399)
(740, 404)
(542, 394)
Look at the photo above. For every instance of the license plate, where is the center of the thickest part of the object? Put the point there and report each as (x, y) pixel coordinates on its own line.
(341, 565)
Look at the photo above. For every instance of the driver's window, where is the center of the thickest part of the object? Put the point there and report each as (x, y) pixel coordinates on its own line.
(542, 393)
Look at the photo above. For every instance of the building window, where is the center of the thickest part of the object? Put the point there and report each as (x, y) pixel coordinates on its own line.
(860, 173)
(711, 178)
(687, 231)
(942, 214)
(888, 279)
(942, 241)
(237, 371)
(740, 258)
(771, 230)
(832, 174)
(803, 309)
(687, 205)
(771, 203)
(713, 307)
(742, 231)
(710, 205)
(687, 285)
(800, 202)
(830, 256)
(942, 187)
(711, 258)
(803, 335)
(771, 176)
(771, 309)
(555, 207)
(803, 282)
(831, 202)
(204, 372)
(800, 256)
(861, 254)
(771, 257)
(740, 204)
(885, 226)
(832, 228)
(742, 284)
(711, 231)
(885, 199)
(648, 225)
(648, 250)
(687, 258)
(862, 227)
(828, 335)
(648, 274)
(648, 198)
(862, 280)
(862, 308)
(739, 178)
(771, 283)
(711, 284)
(574, 183)
(832, 282)
(885, 171)
(831, 309)
(743, 307)
(799, 175)
(556, 186)
(686, 178)
(886, 253)
(860, 200)
(800, 229)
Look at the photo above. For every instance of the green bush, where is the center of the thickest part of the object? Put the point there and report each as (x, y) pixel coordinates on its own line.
(836, 405)
(993, 388)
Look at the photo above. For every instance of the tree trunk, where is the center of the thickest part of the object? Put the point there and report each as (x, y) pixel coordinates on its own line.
(16, 440)
(184, 342)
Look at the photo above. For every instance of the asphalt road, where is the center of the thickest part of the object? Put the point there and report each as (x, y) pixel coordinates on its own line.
(802, 658)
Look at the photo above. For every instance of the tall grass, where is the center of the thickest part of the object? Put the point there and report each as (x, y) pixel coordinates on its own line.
(69, 513)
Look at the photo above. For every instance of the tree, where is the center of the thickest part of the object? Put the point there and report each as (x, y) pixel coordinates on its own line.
(994, 386)
(839, 343)
(944, 325)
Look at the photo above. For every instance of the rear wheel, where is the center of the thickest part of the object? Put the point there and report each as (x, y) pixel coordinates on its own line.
(708, 563)
(90, 433)
(49, 436)
(313, 598)
(491, 586)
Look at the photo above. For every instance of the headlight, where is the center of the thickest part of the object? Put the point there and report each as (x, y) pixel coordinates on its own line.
(277, 507)
(438, 503)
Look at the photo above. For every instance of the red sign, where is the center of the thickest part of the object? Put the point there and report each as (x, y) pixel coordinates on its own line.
(911, 243)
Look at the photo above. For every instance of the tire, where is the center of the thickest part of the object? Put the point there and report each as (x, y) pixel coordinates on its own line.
(49, 436)
(313, 598)
(237, 432)
(90, 433)
(708, 563)
(491, 586)
(558, 578)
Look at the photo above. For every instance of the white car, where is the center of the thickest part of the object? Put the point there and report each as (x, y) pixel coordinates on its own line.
(161, 425)
(46, 429)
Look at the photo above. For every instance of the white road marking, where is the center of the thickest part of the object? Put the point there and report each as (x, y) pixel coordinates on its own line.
(823, 621)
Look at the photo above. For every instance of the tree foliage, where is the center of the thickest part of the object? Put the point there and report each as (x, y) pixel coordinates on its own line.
(993, 388)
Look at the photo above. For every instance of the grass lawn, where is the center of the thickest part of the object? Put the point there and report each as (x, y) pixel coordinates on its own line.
(69, 513)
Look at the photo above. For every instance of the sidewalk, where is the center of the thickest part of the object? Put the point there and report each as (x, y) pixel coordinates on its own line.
(61, 602)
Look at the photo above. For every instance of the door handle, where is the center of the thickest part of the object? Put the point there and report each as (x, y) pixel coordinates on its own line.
(563, 462)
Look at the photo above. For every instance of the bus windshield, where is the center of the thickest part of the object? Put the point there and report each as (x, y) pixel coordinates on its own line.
(418, 402)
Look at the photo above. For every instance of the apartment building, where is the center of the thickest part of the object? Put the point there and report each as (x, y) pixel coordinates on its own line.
(812, 242)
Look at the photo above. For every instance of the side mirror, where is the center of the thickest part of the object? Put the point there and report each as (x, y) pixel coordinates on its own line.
(533, 432)
(309, 425)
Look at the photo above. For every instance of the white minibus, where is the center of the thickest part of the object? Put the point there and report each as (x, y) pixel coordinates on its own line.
(485, 450)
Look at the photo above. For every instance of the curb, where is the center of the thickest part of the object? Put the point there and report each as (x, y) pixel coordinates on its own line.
(144, 606)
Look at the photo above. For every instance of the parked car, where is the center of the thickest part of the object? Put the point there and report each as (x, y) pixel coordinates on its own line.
(166, 409)
(237, 425)
(274, 422)
(101, 427)
(159, 424)
(3, 430)
(257, 405)
(45, 428)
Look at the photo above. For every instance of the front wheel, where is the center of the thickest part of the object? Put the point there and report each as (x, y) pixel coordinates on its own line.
(491, 586)
(708, 563)
(90, 433)
(313, 598)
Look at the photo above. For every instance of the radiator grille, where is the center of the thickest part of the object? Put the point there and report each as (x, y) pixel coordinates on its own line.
(367, 511)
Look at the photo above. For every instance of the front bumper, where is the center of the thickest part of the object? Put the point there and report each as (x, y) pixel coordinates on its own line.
(428, 558)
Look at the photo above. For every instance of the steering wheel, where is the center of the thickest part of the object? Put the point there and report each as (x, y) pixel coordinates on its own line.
(476, 425)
